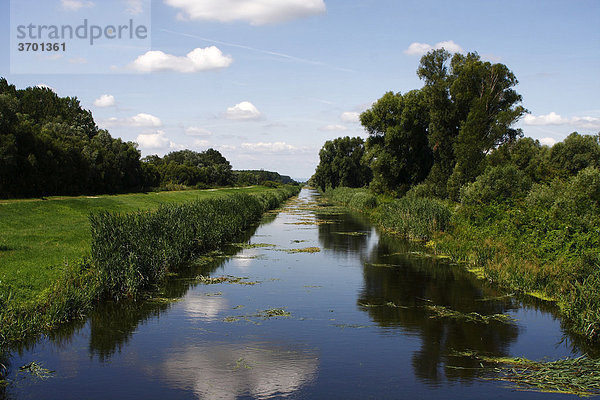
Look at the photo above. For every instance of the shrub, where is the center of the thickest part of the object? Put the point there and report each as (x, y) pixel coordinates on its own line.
(496, 184)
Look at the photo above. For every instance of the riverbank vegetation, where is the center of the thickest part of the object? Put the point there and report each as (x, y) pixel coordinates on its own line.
(130, 250)
(447, 166)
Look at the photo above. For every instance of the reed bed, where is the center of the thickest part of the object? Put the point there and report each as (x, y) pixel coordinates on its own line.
(415, 218)
(135, 250)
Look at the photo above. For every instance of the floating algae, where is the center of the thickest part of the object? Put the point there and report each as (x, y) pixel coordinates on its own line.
(444, 312)
(224, 279)
(304, 250)
(579, 376)
(354, 326)
(351, 233)
(36, 370)
(262, 314)
(381, 265)
(387, 304)
(252, 245)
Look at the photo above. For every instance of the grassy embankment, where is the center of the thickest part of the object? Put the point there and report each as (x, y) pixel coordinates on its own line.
(545, 245)
(53, 267)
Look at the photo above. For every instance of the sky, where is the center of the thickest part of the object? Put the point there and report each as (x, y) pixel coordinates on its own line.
(267, 82)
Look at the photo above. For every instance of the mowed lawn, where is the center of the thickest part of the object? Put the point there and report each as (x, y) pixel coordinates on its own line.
(37, 237)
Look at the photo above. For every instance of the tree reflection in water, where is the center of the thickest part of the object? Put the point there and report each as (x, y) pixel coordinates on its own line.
(399, 285)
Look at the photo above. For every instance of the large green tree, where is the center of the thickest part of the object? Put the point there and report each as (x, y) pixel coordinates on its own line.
(473, 107)
(49, 145)
(397, 148)
(342, 164)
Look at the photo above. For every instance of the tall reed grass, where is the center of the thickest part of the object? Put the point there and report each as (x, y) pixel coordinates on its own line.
(132, 251)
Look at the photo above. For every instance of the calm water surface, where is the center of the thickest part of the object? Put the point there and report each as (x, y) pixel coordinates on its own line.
(359, 326)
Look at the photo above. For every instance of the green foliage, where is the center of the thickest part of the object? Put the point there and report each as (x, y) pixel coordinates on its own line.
(189, 168)
(397, 148)
(496, 184)
(49, 145)
(341, 164)
(260, 177)
(575, 153)
(545, 243)
(527, 155)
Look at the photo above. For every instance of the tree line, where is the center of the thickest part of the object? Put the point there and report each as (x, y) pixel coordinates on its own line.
(50, 145)
(436, 140)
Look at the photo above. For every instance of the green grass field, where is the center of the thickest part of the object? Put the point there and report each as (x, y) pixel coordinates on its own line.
(37, 237)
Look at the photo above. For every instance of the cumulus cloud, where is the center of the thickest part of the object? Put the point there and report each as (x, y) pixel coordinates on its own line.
(350, 116)
(243, 111)
(44, 86)
(548, 119)
(106, 100)
(196, 131)
(417, 48)
(270, 147)
(548, 141)
(333, 128)
(156, 140)
(74, 5)
(138, 121)
(197, 60)
(555, 119)
(256, 12)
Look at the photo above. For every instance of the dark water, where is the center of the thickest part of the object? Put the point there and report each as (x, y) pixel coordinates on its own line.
(359, 326)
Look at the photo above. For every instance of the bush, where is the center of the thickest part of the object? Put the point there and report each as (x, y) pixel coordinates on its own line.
(496, 184)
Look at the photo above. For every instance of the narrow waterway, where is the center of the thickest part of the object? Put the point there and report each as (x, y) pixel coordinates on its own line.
(367, 316)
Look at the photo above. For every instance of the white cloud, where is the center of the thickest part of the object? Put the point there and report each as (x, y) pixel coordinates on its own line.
(44, 86)
(200, 143)
(548, 119)
(417, 48)
(199, 59)
(106, 100)
(333, 128)
(243, 111)
(350, 116)
(548, 141)
(586, 122)
(153, 140)
(134, 7)
(257, 12)
(138, 121)
(195, 131)
(275, 147)
(555, 119)
(74, 5)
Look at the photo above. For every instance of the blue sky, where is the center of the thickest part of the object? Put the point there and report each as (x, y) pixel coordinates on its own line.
(267, 82)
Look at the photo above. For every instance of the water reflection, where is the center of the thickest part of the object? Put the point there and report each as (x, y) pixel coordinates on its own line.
(261, 370)
(398, 287)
